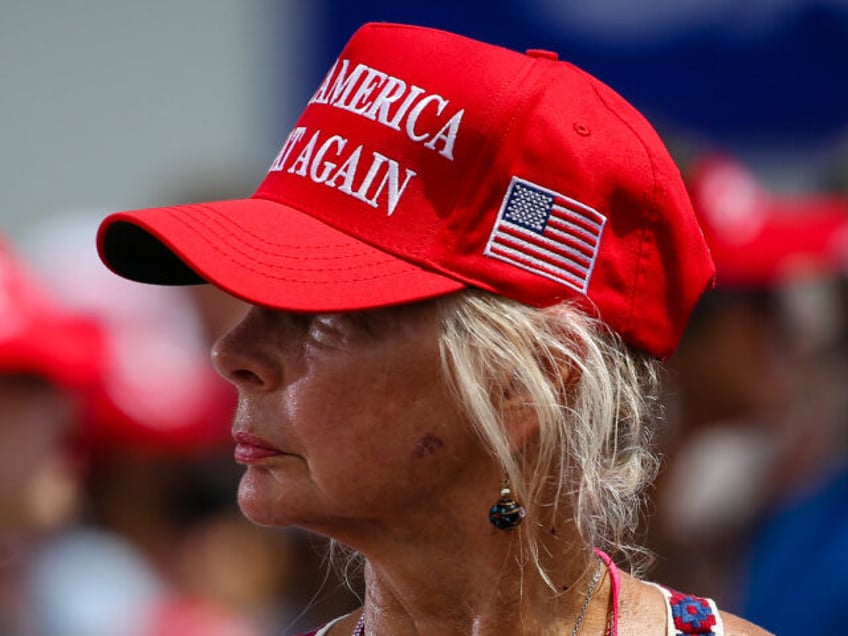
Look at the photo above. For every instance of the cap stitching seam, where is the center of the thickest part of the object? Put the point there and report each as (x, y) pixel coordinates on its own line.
(496, 142)
(257, 237)
(224, 234)
(246, 264)
(643, 234)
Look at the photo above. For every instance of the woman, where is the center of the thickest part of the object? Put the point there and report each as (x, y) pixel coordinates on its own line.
(463, 265)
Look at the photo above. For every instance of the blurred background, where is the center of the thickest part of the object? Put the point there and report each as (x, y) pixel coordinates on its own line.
(107, 106)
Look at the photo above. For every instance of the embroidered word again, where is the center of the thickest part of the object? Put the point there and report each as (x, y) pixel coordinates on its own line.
(329, 163)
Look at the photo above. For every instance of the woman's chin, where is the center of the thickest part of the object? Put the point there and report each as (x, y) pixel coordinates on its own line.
(266, 499)
(259, 499)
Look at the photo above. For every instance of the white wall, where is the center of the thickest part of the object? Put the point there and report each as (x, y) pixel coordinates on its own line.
(118, 104)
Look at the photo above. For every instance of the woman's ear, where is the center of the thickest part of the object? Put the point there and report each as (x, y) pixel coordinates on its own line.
(519, 408)
(522, 423)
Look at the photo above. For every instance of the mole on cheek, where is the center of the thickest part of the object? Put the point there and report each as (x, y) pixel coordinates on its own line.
(429, 444)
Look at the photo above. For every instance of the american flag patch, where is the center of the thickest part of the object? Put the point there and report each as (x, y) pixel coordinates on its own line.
(547, 233)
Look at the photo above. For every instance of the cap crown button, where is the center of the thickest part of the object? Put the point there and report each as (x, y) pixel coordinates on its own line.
(543, 54)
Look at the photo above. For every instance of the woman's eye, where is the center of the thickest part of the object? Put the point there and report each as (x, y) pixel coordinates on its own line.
(328, 329)
(343, 328)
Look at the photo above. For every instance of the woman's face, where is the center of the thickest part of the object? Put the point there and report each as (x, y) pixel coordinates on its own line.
(344, 416)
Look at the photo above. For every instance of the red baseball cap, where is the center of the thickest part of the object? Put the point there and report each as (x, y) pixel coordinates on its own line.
(38, 336)
(427, 162)
(761, 239)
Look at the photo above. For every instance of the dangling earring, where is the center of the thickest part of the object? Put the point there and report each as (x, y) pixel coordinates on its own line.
(507, 513)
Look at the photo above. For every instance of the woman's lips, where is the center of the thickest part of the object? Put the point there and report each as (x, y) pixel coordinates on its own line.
(251, 449)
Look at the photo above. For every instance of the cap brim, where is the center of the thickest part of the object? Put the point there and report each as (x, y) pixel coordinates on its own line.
(265, 253)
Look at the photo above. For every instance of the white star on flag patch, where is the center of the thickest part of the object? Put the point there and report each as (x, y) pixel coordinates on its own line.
(548, 234)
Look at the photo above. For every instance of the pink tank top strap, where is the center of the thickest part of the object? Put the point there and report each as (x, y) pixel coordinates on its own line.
(615, 591)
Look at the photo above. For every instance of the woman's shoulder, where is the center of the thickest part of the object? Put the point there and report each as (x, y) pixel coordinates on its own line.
(736, 626)
(649, 604)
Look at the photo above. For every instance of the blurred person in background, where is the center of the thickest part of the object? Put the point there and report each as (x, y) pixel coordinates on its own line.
(160, 547)
(49, 360)
(753, 396)
(156, 417)
(803, 535)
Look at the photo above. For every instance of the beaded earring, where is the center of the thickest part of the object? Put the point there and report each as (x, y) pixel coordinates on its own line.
(507, 513)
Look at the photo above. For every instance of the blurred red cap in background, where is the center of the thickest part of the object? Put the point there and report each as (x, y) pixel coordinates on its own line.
(40, 336)
(762, 239)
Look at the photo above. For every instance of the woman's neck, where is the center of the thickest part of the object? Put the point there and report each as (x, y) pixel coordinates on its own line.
(478, 587)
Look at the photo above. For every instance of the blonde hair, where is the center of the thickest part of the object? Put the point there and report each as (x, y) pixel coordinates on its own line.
(595, 399)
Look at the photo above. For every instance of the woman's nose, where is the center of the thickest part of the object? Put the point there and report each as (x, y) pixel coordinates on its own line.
(239, 357)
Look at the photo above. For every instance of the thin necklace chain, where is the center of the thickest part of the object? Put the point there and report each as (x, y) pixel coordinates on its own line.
(593, 585)
(359, 630)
